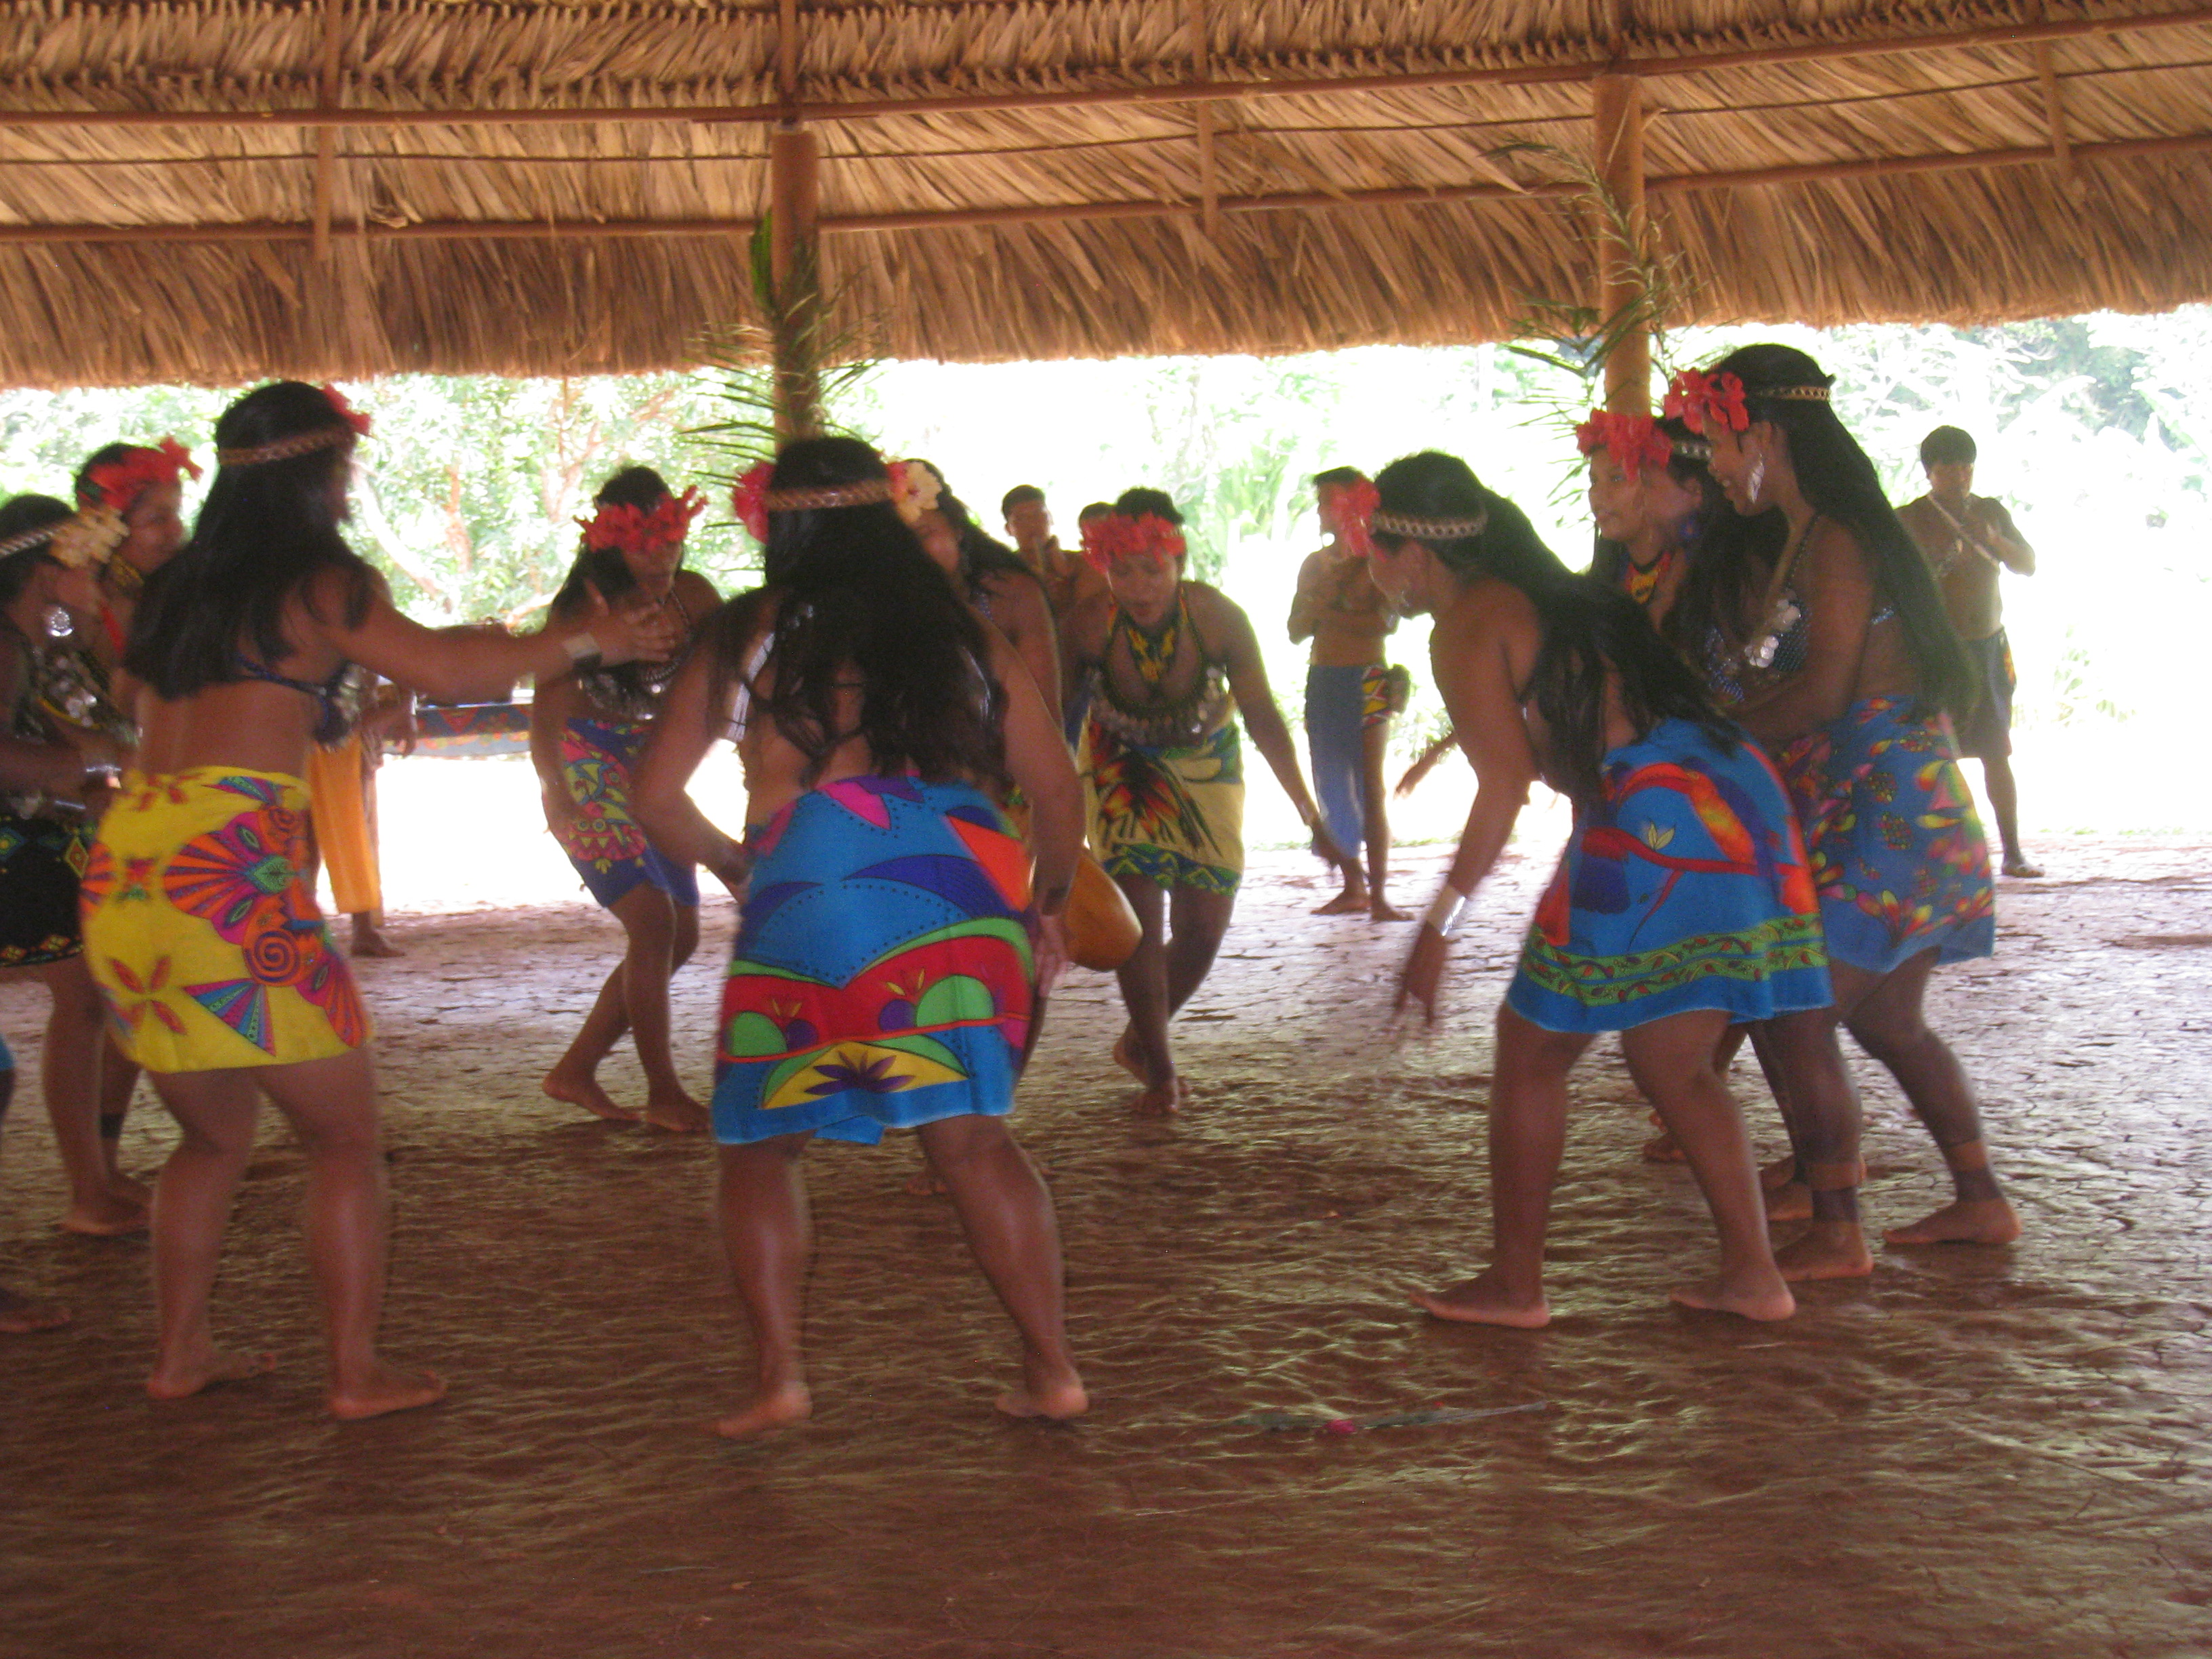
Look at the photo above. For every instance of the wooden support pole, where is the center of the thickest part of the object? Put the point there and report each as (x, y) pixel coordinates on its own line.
(326, 138)
(1619, 234)
(2054, 110)
(1201, 69)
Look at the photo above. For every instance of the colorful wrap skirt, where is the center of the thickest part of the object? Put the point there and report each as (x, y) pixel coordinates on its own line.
(1685, 887)
(41, 861)
(1173, 816)
(882, 976)
(607, 848)
(202, 935)
(1898, 854)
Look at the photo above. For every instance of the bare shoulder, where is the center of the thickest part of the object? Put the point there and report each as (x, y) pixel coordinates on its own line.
(696, 594)
(1212, 608)
(1314, 567)
(1834, 548)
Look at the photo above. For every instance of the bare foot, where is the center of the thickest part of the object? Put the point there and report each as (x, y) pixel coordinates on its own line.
(385, 1390)
(2022, 869)
(368, 942)
(1791, 1201)
(1351, 902)
(1125, 1054)
(1760, 1295)
(582, 1089)
(677, 1112)
(1969, 1221)
(126, 1189)
(1829, 1249)
(778, 1407)
(1663, 1148)
(19, 1315)
(926, 1183)
(185, 1376)
(1384, 910)
(1483, 1301)
(107, 1216)
(1055, 1392)
(1158, 1099)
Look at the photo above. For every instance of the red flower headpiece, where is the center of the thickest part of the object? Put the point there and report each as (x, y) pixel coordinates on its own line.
(1634, 441)
(1355, 511)
(1118, 536)
(118, 484)
(345, 411)
(749, 500)
(634, 530)
(1695, 398)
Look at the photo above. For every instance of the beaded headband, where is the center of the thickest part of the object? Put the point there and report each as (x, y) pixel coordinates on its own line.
(1811, 394)
(1429, 529)
(31, 538)
(865, 493)
(283, 449)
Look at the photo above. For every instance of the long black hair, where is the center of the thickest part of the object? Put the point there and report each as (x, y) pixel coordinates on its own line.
(20, 516)
(266, 529)
(1841, 483)
(1589, 631)
(982, 554)
(629, 688)
(858, 601)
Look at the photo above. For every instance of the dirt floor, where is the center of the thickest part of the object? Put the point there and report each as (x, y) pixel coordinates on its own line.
(1977, 1451)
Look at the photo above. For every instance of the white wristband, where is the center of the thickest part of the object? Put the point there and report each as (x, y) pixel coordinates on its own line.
(1444, 914)
(582, 647)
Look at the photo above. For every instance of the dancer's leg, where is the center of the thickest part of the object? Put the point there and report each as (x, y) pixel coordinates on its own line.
(1333, 702)
(1006, 1212)
(1375, 799)
(1998, 784)
(760, 1202)
(648, 917)
(69, 1076)
(1672, 1061)
(118, 1081)
(1144, 1049)
(331, 1104)
(191, 1207)
(1888, 1023)
(1820, 1104)
(574, 1076)
(1528, 1136)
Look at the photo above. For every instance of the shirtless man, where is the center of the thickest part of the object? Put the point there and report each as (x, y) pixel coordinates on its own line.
(1970, 541)
(1349, 694)
(1170, 664)
(1067, 579)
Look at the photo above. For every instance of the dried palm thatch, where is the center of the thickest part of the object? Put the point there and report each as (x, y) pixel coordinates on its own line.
(217, 189)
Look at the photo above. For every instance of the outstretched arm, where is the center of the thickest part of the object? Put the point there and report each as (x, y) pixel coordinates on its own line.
(1229, 632)
(689, 723)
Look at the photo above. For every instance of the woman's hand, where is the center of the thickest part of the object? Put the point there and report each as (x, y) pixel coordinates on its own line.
(1325, 848)
(644, 632)
(1051, 952)
(1423, 971)
(734, 869)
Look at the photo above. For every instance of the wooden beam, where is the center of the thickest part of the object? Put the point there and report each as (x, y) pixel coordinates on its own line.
(1652, 66)
(2054, 109)
(326, 138)
(1202, 120)
(1288, 202)
(1618, 116)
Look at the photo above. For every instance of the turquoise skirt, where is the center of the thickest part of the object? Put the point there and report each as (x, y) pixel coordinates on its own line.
(1684, 887)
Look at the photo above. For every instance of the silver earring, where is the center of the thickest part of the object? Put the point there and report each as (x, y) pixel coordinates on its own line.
(1758, 479)
(58, 624)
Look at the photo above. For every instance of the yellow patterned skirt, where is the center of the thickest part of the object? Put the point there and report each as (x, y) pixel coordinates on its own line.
(205, 940)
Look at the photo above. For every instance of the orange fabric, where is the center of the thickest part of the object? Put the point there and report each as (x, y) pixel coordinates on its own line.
(338, 801)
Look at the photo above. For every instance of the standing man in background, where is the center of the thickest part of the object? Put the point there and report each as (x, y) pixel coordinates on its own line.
(1969, 542)
(1352, 696)
(1068, 579)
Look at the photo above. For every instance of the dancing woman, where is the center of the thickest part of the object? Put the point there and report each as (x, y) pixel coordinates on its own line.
(882, 976)
(1682, 904)
(586, 729)
(60, 748)
(209, 948)
(1167, 665)
(1858, 716)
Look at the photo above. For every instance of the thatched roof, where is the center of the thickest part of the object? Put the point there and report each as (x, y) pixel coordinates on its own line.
(1046, 178)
